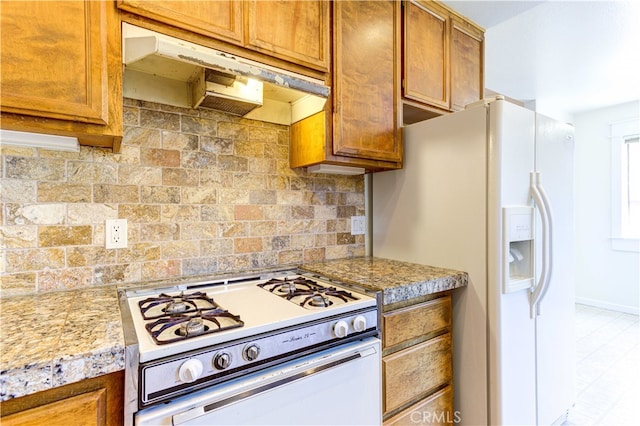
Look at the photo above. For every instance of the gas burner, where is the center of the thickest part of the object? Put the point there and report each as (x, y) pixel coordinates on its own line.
(180, 327)
(165, 304)
(193, 327)
(176, 307)
(318, 300)
(289, 286)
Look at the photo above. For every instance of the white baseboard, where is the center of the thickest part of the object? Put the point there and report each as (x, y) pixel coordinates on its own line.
(607, 305)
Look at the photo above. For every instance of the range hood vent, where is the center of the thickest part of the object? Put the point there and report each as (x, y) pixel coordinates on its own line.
(226, 92)
(163, 69)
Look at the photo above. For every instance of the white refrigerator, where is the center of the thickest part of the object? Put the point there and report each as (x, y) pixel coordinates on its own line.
(489, 190)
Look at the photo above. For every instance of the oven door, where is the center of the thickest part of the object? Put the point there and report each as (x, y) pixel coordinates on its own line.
(337, 386)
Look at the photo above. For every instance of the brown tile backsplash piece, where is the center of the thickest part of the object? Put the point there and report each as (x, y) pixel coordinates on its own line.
(203, 192)
(55, 236)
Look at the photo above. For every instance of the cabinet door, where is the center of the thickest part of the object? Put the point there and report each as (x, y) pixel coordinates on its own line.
(95, 401)
(297, 31)
(61, 69)
(86, 409)
(426, 53)
(365, 80)
(220, 19)
(53, 57)
(467, 63)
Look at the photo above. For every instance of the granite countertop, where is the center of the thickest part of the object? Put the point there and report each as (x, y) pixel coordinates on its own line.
(52, 339)
(398, 281)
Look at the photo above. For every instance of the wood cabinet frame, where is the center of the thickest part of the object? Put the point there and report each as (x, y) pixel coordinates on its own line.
(417, 359)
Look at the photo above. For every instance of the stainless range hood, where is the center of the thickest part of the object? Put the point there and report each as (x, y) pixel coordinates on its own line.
(163, 69)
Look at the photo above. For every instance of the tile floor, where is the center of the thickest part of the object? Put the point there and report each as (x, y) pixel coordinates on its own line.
(607, 368)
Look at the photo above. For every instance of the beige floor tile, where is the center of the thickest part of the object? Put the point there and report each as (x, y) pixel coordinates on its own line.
(607, 368)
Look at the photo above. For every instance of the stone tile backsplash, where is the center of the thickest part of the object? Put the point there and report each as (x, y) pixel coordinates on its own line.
(203, 192)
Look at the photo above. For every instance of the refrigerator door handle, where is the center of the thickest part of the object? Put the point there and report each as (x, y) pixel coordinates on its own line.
(547, 207)
(542, 203)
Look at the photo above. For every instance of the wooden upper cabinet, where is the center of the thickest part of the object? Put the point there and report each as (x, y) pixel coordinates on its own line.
(359, 127)
(297, 31)
(365, 80)
(443, 62)
(467, 64)
(293, 31)
(426, 57)
(61, 71)
(221, 19)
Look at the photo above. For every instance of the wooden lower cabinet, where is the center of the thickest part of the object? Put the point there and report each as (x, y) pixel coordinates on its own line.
(417, 363)
(436, 409)
(96, 401)
(87, 408)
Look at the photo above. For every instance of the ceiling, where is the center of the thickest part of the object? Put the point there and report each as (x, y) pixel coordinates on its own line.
(490, 13)
(563, 57)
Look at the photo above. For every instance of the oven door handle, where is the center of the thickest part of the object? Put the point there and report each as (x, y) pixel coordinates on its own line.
(203, 409)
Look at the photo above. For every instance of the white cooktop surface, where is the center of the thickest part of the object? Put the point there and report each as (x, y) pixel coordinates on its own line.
(261, 311)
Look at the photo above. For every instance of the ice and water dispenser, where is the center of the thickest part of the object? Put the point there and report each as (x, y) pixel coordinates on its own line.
(517, 248)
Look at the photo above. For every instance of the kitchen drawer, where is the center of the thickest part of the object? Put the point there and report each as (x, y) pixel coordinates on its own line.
(408, 323)
(416, 370)
(434, 410)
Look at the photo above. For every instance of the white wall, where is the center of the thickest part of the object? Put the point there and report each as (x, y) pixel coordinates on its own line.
(566, 55)
(604, 277)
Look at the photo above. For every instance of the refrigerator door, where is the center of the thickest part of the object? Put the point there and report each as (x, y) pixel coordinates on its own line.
(555, 323)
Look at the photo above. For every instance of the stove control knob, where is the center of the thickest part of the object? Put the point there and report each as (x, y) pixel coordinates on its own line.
(222, 360)
(341, 329)
(190, 370)
(251, 352)
(359, 323)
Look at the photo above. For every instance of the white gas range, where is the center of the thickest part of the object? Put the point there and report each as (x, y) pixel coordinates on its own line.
(199, 351)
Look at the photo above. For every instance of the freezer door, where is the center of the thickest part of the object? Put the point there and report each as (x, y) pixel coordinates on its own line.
(512, 380)
(555, 361)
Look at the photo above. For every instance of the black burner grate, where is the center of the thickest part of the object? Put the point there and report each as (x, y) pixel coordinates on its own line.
(306, 292)
(175, 328)
(151, 308)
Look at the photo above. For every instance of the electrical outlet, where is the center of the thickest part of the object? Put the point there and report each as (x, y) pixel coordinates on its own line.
(358, 225)
(115, 233)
